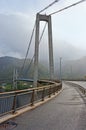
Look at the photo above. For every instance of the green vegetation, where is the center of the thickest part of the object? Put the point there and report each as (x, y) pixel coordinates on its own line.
(20, 86)
(8, 87)
(23, 85)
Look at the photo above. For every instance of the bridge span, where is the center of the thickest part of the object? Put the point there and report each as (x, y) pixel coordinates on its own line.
(65, 112)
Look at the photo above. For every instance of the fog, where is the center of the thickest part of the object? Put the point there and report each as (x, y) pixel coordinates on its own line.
(15, 33)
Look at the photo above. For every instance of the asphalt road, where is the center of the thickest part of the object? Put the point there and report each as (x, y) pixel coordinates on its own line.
(65, 112)
(81, 83)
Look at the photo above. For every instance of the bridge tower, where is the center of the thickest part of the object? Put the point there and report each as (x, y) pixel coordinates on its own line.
(46, 18)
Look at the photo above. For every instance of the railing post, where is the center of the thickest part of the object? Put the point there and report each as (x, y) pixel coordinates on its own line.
(49, 91)
(14, 103)
(43, 93)
(32, 99)
(83, 90)
(54, 90)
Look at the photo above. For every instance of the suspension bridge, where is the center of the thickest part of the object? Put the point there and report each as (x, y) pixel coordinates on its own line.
(67, 111)
(35, 58)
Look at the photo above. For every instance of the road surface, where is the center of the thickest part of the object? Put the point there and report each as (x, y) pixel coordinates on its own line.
(81, 83)
(65, 112)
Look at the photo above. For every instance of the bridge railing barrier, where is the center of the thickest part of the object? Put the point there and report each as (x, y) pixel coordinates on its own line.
(10, 102)
(82, 89)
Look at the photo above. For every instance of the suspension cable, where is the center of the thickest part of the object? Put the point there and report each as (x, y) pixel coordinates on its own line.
(48, 6)
(42, 32)
(74, 4)
(28, 47)
(39, 43)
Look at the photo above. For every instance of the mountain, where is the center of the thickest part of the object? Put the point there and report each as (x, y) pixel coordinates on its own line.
(7, 65)
(67, 51)
(60, 49)
(74, 69)
(71, 69)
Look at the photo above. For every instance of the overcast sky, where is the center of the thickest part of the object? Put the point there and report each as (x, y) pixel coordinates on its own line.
(17, 19)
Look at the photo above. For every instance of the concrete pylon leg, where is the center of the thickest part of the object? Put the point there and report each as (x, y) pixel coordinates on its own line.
(51, 63)
(36, 52)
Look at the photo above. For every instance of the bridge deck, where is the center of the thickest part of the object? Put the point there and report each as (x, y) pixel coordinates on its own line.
(65, 112)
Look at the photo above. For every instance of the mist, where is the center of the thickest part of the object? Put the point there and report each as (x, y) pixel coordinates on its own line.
(15, 32)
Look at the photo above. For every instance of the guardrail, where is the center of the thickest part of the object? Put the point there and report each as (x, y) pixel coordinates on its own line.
(10, 102)
(82, 89)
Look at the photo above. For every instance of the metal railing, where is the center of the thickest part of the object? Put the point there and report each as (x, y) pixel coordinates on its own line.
(10, 102)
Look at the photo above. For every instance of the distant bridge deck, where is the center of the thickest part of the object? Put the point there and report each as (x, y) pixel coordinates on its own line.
(23, 79)
(40, 81)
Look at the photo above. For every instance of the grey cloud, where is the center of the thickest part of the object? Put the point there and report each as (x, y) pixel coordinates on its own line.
(14, 33)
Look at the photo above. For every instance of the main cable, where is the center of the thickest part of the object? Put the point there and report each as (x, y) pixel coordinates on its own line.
(74, 4)
(48, 6)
